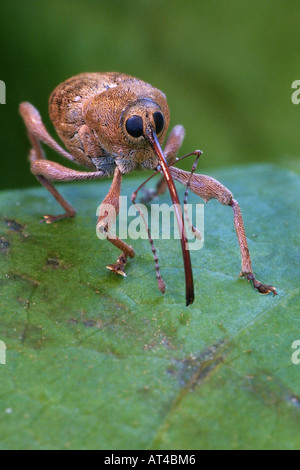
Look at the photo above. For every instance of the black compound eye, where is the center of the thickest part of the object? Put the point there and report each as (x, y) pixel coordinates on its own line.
(134, 126)
(159, 122)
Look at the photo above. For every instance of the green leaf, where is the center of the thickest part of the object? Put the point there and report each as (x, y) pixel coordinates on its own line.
(94, 360)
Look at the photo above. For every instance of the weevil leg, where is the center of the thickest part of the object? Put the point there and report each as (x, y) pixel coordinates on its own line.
(109, 210)
(46, 171)
(209, 188)
(37, 132)
(196, 232)
(160, 281)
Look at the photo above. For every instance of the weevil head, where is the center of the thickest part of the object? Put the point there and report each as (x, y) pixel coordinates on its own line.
(121, 118)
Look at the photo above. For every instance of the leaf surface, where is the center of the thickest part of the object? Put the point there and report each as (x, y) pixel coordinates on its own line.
(97, 361)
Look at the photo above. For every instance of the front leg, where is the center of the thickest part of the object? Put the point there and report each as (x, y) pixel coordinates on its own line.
(109, 210)
(246, 260)
(46, 171)
(209, 188)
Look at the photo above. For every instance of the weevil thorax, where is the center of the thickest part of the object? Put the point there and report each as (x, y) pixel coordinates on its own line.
(119, 117)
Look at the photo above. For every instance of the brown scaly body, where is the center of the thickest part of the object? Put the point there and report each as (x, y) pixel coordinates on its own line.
(112, 124)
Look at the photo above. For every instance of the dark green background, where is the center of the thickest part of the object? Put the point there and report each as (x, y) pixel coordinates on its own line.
(226, 67)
